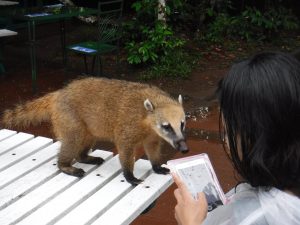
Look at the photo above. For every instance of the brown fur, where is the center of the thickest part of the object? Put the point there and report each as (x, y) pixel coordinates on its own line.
(93, 109)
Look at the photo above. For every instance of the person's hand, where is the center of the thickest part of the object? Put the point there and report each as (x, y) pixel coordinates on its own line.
(188, 211)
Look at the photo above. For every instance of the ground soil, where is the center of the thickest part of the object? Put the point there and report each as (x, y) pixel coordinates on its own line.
(198, 91)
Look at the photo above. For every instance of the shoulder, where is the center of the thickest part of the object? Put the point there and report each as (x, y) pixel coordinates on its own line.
(243, 202)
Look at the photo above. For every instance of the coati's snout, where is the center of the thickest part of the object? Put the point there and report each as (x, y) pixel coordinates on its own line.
(181, 146)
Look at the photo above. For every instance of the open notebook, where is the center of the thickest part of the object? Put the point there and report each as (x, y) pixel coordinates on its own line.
(199, 176)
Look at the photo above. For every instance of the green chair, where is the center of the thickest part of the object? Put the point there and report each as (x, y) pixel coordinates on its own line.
(109, 33)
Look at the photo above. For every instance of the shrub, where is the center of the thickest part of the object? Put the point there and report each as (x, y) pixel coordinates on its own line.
(176, 64)
(147, 38)
(158, 41)
(251, 24)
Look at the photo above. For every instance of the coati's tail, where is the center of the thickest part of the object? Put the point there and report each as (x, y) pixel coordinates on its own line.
(30, 113)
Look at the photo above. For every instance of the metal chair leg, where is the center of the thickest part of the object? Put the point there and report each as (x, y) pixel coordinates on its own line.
(31, 34)
(85, 65)
(2, 68)
(93, 63)
(118, 62)
(99, 66)
(63, 40)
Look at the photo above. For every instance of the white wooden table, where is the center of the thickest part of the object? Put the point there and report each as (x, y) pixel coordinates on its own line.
(8, 3)
(33, 191)
(6, 33)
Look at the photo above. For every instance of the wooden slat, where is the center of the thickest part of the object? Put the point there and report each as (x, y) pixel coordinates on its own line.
(4, 133)
(22, 151)
(25, 166)
(105, 197)
(131, 206)
(22, 185)
(44, 193)
(27, 183)
(14, 141)
(62, 203)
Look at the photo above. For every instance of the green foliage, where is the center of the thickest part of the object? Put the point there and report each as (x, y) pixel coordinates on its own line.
(177, 63)
(157, 42)
(147, 38)
(217, 29)
(193, 14)
(250, 25)
(145, 10)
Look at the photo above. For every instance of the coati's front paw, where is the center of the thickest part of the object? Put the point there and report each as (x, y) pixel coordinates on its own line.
(160, 170)
(73, 171)
(132, 179)
(92, 160)
(78, 173)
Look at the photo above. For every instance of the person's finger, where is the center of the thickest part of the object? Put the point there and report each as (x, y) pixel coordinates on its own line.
(177, 195)
(184, 191)
(176, 178)
(201, 196)
(176, 216)
(180, 184)
(202, 201)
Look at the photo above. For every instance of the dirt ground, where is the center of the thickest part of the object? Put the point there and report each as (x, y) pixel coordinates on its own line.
(198, 92)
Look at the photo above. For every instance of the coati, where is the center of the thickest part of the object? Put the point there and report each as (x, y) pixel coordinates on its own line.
(129, 114)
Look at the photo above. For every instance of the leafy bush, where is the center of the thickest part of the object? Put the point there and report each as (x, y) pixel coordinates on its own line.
(177, 63)
(157, 42)
(147, 38)
(192, 14)
(251, 24)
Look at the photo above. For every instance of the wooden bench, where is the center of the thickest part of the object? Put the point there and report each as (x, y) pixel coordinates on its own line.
(33, 191)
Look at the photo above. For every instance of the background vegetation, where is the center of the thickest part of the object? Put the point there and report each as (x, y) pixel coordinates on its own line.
(165, 48)
(193, 27)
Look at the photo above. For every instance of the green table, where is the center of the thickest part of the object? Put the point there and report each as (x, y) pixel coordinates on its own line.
(54, 13)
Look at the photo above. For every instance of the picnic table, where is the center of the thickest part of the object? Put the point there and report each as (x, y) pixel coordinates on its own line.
(47, 14)
(33, 191)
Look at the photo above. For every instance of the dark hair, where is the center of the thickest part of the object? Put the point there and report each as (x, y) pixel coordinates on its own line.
(260, 104)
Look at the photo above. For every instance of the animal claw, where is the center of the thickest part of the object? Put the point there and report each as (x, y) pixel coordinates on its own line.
(78, 173)
(132, 179)
(135, 181)
(160, 169)
(98, 161)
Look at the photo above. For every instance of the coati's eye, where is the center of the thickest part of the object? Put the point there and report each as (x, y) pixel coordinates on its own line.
(182, 125)
(167, 127)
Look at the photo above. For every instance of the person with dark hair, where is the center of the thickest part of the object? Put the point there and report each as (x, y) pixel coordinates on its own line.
(260, 114)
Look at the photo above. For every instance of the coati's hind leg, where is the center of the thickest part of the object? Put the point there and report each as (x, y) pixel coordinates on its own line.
(126, 156)
(152, 149)
(76, 142)
(66, 157)
(76, 149)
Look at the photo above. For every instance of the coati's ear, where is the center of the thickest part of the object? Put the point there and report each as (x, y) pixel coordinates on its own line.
(180, 99)
(148, 105)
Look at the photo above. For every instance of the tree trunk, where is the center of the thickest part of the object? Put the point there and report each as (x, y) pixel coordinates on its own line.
(161, 10)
